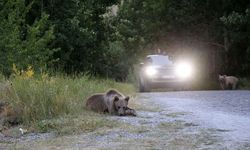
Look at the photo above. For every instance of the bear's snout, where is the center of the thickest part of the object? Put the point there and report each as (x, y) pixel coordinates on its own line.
(121, 112)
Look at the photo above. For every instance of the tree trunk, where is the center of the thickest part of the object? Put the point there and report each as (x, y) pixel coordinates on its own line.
(226, 47)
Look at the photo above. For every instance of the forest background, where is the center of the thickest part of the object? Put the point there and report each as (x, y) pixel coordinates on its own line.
(107, 38)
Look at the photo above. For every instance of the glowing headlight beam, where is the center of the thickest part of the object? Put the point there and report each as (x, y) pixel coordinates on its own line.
(150, 71)
(184, 70)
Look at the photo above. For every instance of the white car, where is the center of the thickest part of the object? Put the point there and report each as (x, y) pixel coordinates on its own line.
(159, 71)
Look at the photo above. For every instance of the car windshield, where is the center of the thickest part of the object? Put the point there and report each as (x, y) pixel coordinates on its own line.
(160, 60)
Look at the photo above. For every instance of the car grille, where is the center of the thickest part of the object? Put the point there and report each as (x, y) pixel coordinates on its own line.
(166, 71)
(164, 74)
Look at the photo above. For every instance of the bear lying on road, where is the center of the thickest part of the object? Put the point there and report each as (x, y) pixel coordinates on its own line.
(228, 82)
(112, 102)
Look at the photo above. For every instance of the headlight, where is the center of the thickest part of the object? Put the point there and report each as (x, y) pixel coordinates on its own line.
(184, 70)
(150, 71)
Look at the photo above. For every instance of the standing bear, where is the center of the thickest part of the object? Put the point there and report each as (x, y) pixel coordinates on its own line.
(228, 82)
(112, 102)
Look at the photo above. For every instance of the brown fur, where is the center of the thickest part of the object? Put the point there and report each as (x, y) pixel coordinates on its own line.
(9, 114)
(96, 103)
(112, 102)
(113, 92)
(228, 82)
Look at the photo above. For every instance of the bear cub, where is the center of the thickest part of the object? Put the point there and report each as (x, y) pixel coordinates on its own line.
(112, 102)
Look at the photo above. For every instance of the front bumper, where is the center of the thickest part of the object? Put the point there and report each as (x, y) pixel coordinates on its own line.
(165, 82)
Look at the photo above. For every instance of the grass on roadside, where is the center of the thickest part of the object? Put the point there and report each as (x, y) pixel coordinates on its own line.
(74, 124)
(58, 102)
(244, 83)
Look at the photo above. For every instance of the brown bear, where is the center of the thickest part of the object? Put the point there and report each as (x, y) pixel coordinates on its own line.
(112, 102)
(228, 82)
(9, 114)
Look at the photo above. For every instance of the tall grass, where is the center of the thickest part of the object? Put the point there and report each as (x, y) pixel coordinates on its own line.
(244, 83)
(44, 97)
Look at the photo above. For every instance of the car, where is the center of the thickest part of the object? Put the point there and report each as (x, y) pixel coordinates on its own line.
(160, 71)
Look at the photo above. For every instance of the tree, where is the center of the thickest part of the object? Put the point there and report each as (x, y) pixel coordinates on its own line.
(21, 43)
(237, 25)
(79, 33)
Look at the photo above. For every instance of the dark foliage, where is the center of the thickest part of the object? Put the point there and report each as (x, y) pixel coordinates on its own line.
(105, 38)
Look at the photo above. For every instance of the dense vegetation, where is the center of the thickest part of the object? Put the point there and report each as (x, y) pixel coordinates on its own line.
(42, 102)
(89, 36)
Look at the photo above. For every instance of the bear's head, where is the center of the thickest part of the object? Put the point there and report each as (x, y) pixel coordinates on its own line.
(222, 78)
(120, 104)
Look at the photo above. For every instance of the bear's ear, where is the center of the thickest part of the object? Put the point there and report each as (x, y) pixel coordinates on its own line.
(127, 98)
(116, 98)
